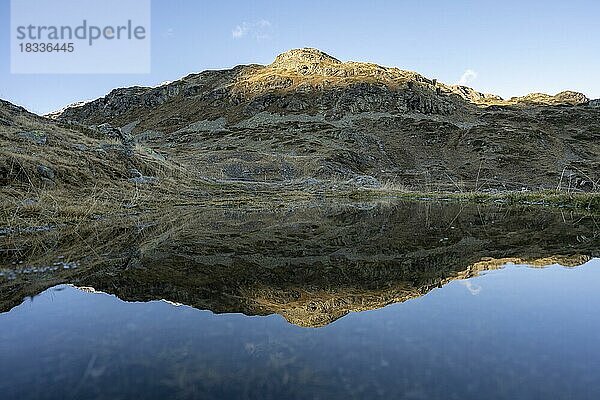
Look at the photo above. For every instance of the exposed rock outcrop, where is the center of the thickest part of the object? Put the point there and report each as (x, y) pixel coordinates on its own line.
(474, 96)
(563, 98)
(594, 103)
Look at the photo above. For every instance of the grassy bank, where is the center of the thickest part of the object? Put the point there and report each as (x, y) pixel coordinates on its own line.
(52, 207)
(548, 198)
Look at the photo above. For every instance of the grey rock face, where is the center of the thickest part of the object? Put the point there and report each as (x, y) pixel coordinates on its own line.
(36, 137)
(29, 202)
(143, 179)
(147, 135)
(364, 181)
(47, 176)
(135, 173)
(121, 100)
(80, 146)
(370, 98)
(594, 103)
(109, 131)
(45, 172)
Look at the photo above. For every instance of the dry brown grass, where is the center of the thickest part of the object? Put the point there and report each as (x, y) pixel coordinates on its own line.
(89, 177)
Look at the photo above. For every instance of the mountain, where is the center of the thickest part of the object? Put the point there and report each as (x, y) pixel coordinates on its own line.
(309, 115)
(307, 124)
(303, 82)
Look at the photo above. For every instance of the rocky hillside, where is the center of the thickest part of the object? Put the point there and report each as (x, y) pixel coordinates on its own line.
(309, 115)
(39, 152)
(51, 172)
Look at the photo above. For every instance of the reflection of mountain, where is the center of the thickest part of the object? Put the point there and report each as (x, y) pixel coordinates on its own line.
(312, 265)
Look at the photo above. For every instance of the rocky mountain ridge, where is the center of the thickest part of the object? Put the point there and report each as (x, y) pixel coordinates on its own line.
(311, 116)
(302, 72)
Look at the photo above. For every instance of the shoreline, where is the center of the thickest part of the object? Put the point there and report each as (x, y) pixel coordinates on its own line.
(21, 210)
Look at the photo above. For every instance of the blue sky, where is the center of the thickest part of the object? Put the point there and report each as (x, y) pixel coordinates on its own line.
(503, 47)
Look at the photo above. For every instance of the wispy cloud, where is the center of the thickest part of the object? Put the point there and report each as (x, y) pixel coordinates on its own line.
(471, 287)
(467, 77)
(258, 30)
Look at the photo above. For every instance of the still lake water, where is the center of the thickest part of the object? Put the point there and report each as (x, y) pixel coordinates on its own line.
(413, 326)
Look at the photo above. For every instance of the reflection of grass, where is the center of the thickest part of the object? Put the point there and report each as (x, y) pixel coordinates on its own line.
(550, 198)
(57, 206)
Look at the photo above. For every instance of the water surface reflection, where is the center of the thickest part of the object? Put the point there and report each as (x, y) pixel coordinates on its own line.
(349, 301)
